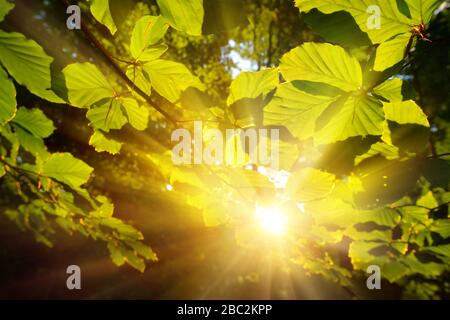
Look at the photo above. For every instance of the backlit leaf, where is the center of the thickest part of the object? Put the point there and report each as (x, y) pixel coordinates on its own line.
(322, 62)
(291, 107)
(86, 85)
(354, 116)
(183, 15)
(148, 31)
(170, 78)
(392, 21)
(67, 169)
(101, 11)
(107, 116)
(5, 7)
(7, 98)
(309, 184)
(28, 64)
(252, 84)
(34, 121)
(102, 143)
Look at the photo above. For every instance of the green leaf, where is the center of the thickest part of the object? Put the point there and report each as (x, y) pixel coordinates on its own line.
(28, 64)
(133, 260)
(105, 210)
(139, 78)
(322, 62)
(394, 271)
(103, 144)
(309, 184)
(392, 22)
(406, 112)
(8, 104)
(34, 121)
(406, 127)
(107, 116)
(31, 143)
(148, 31)
(253, 84)
(86, 85)
(422, 10)
(442, 251)
(125, 231)
(355, 233)
(143, 250)
(170, 78)
(5, 8)
(137, 115)
(388, 151)
(442, 227)
(383, 217)
(67, 169)
(428, 269)
(391, 90)
(153, 52)
(413, 214)
(117, 254)
(2, 170)
(291, 106)
(350, 117)
(102, 13)
(338, 27)
(391, 52)
(428, 201)
(332, 212)
(359, 253)
(183, 15)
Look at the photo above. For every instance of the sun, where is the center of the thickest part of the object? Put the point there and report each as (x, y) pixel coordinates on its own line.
(271, 220)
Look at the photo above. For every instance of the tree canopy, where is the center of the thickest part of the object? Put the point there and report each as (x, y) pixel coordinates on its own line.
(86, 118)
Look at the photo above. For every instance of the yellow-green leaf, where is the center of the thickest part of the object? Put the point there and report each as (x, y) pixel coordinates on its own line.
(253, 84)
(101, 11)
(183, 15)
(28, 64)
(170, 78)
(5, 7)
(309, 184)
(391, 90)
(34, 121)
(148, 31)
(8, 105)
(107, 116)
(354, 116)
(391, 52)
(103, 144)
(295, 109)
(392, 21)
(422, 10)
(67, 169)
(322, 62)
(406, 112)
(137, 115)
(86, 85)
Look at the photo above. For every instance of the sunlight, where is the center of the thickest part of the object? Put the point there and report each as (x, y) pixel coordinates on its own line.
(272, 220)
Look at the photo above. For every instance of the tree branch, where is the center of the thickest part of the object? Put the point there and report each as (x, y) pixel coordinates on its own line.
(112, 62)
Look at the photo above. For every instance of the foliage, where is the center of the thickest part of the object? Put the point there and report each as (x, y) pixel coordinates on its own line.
(364, 173)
